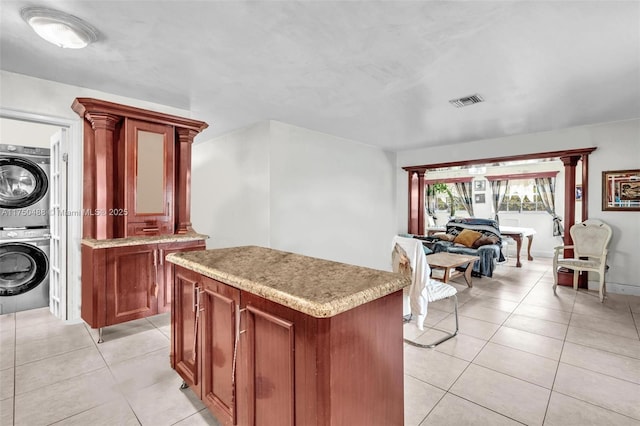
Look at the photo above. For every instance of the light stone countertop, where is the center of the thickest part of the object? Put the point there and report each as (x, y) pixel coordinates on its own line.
(316, 287)
(134, 241)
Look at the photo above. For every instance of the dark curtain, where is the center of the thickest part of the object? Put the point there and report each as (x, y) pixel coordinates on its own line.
(546, 187)
(430, 201)
(499, 189)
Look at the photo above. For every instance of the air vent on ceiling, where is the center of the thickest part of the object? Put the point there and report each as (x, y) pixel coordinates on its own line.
(466, 101)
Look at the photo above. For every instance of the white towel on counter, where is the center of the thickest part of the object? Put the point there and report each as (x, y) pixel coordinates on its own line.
(423, 289)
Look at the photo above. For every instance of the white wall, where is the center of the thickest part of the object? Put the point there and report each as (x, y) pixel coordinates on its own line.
(38, 96)
(230, 188)
(24, 133)
(293, 189)
(618, 148)
(331, 197)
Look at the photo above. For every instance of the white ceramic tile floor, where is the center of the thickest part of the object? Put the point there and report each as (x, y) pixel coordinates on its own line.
(535, 358)
(523, 356)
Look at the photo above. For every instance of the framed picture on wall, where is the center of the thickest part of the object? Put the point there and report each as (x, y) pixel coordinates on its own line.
(479, 185)
(578, 192)
(479, 199)
(621, 190)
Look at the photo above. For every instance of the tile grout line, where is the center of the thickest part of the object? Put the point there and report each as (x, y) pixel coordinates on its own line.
(555, 375)
(95, 343)
(448, 391)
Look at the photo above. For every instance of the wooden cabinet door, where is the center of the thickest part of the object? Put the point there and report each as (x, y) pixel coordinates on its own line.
(268, 352)
(131, 287)
(219, 303)
(185, 325)
(149, 178)
(166, 269)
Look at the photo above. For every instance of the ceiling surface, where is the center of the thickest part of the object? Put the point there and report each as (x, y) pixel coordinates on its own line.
(380, 73)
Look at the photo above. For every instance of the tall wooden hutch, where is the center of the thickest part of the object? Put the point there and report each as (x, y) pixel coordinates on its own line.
(136, 208)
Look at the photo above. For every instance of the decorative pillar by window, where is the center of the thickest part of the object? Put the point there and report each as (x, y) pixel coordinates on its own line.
(464, 190)
(498, 190)
(546, 187)
(570, 163)
(565, 276)
(416, 203)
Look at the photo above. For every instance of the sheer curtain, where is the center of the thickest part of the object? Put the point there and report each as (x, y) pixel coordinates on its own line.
(464, 190)
(498, 189)
(546, 187)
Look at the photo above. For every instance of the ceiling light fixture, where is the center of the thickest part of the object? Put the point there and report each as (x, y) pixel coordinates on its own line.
(59, 28)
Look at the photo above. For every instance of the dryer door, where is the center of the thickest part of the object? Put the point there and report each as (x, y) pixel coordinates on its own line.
(22, 268)
(22, 183)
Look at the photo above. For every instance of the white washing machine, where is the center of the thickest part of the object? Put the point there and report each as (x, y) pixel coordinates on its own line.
(24, 186)
(24, 269)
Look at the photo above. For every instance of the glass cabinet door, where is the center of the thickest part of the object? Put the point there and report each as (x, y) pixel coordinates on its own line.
(149, 178)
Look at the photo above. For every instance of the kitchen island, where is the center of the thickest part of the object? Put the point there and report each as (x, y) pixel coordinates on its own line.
(266, 337)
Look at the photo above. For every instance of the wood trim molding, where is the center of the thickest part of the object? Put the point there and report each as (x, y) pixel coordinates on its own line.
(570, 158)
(534, 156)
(88, 106)
(522, 176)
(450, 180)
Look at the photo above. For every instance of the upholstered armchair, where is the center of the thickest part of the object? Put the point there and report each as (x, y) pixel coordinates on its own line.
(590, 247)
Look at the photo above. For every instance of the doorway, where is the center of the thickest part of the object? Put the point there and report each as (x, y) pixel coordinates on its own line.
(63, 137)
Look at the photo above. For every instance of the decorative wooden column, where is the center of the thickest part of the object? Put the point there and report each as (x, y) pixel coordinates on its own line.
(416, 203)
(99, 185)
(565, 276)
(183, 180)
(585, 187)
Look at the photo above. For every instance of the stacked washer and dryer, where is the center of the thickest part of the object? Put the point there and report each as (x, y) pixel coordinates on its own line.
(24, 227)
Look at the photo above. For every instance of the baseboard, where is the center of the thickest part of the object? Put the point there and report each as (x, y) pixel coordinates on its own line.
(616, 288)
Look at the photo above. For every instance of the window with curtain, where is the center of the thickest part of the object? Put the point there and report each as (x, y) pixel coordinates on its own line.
(443, 201)
(522, 196)
(441, 194)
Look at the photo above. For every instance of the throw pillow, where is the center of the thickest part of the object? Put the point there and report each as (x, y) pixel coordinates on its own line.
(484, 241)
(467, 237)
(445, 237)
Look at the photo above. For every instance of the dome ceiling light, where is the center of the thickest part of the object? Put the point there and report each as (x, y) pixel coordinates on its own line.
(59, 28)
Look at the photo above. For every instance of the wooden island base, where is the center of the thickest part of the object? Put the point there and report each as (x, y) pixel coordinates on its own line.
(291, 368)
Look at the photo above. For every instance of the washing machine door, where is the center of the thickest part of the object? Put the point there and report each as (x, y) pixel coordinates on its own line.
(22, 268)
(22, 183)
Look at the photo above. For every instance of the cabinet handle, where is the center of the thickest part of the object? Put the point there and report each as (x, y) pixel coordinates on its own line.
(235, 346)
(154, 289)
(196, 321)
(150, 229)
(200, 308)
(155, 259)
(195, 306)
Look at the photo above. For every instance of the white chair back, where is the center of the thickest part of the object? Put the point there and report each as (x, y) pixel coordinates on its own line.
(590, 238)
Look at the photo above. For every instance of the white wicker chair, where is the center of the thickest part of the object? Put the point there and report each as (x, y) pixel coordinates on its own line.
(590, 246)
